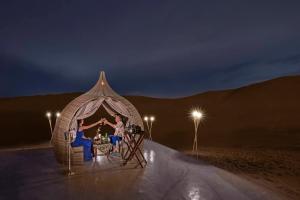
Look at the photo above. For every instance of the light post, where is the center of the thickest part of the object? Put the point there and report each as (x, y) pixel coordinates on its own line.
(57, 114)
(149, 127)
(49, 115)
(68, 139)
(196, 115)
(152, 118)
(146, 119)
(70, 172)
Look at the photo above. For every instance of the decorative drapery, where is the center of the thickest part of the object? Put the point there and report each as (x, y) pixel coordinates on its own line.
(119, 108)
(113, 107)
(86, 111)
(108, 109)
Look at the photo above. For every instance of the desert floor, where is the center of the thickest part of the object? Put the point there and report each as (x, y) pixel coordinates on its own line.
(278, 170)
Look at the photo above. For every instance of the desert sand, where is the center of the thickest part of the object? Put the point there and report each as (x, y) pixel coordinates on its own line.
(253, 131)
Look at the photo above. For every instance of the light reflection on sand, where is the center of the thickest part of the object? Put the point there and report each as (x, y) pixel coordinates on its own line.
(100, 159)
(194, 193)
(152, 156)
(149, 156)
(146, 155)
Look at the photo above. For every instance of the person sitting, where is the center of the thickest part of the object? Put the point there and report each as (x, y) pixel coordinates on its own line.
(81, 140)
(118, 134)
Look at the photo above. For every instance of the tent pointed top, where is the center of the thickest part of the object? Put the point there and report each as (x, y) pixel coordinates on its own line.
(102, 78)
(102, 88)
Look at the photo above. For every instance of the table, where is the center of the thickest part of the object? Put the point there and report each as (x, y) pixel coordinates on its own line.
(103, 148)
(134, 149)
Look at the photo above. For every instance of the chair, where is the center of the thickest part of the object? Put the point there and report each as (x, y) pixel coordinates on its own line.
(76, 153)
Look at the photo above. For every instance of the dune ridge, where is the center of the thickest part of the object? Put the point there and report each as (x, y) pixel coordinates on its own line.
(260, 115)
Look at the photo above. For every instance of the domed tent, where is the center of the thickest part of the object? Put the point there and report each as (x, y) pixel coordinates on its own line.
(86, 105)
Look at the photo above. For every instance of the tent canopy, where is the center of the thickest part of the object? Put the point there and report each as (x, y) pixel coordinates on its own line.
(86, 105)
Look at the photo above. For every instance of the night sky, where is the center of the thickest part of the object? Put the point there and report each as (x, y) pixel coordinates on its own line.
(153, 48)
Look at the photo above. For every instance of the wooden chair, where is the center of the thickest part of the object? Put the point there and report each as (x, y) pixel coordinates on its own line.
(76, 153)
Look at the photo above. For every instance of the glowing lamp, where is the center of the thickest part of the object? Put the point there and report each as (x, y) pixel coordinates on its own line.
(152, 118)
(48, 114)
(197, 114)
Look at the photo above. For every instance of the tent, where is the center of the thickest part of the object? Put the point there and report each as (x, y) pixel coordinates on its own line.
(86, 105)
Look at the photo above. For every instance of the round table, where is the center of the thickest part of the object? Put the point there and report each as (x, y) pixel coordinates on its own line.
(103, 148)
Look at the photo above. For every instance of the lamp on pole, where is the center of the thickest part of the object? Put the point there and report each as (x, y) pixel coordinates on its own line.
(150, 119)
(48, 115)
(146, 119)
(68, 139)
(196, 115)
(57, 114)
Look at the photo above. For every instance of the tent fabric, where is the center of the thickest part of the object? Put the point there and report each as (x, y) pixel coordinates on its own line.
(113, 107)
(86, 111)
(108, 110)
(86, 105)
(119, 108)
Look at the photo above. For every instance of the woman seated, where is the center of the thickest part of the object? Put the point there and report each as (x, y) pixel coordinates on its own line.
(81, 140)
(118, 134)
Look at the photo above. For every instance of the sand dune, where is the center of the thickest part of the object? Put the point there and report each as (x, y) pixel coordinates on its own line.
(260, 115)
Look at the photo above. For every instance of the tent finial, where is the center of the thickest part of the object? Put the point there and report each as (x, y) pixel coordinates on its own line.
(102, 73)
(102, 78)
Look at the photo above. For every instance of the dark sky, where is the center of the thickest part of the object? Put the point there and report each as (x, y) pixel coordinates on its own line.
(154, 48)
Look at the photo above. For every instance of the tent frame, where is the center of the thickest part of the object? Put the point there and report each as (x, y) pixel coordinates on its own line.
(65, 122)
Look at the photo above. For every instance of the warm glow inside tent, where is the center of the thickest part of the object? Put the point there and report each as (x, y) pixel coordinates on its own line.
(85, 106)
